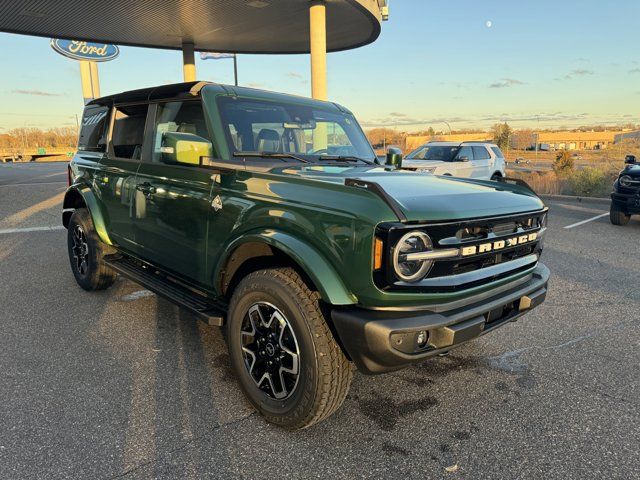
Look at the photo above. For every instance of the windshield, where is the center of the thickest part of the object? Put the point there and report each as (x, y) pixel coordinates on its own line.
(440, 153)
(309, 132)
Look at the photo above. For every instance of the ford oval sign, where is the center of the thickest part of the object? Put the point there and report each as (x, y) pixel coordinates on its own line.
(79, 50)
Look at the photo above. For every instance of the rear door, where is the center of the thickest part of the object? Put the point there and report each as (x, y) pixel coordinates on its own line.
(92, 143)
(116, 179)
(172, 220)
(481, 163)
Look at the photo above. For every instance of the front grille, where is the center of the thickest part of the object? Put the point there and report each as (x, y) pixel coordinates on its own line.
(483, 234)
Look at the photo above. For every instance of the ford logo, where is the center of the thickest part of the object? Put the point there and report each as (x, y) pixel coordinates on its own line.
(80, 50)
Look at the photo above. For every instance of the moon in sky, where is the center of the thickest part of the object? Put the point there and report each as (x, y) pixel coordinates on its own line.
(489, 23)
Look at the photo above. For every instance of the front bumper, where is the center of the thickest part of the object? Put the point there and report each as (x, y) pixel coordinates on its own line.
(382, 341)
(628, 203)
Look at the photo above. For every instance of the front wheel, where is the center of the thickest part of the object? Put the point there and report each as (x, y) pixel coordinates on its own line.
(618, 217)
(288, 363)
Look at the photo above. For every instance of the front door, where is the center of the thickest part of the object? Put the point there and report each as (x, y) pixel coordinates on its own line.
(117, 174)
(172, 221)
(463, 166)
(481, 163)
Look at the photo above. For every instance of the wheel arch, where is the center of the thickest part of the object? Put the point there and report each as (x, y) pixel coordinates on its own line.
(78, 196)
(270, 248)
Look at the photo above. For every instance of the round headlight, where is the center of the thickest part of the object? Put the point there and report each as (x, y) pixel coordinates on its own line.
(411, 270)
(625, 181)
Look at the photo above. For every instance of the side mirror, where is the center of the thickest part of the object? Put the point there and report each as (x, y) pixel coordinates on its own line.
(184, 148)
(464, 158)
(394, 157)
(630, 159)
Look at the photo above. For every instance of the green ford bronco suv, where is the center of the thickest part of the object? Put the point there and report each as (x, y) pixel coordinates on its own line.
(268, 215)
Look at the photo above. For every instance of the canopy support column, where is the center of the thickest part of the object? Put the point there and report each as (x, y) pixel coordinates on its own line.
(90, 81)
(188, 62)
(318, 43)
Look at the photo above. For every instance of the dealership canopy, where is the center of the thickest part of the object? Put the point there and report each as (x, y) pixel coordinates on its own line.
(238, 26)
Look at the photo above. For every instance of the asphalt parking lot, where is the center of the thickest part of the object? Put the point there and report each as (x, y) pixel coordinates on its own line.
(123, 384)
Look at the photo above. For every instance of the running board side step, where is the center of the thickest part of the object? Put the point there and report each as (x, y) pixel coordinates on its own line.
(207, 310)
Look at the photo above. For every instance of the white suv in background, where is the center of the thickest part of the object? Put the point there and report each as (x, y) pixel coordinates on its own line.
(480, 160)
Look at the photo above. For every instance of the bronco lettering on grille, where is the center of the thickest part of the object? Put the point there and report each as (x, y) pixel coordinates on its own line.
(499, 244)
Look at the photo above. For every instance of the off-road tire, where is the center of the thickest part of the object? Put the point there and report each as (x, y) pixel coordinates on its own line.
(325, 373)
(618, 217)
(97, 275)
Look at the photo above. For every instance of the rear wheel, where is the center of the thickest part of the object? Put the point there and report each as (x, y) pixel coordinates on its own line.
(87, 252)
(496, 177)
(618, 217)
(288, 363)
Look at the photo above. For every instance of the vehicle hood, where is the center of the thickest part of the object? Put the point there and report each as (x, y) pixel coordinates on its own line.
(414, 163)
(426, 197)
(632, 171)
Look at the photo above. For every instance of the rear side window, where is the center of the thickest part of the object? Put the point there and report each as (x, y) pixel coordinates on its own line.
(128, 131)
(93, 130)
(498, 152)
(481, 153)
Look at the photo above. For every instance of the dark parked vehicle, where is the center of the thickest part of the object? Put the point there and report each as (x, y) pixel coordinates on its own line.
(625, 199)
(267, 215)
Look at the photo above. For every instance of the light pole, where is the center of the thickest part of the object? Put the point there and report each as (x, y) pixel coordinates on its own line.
(537, 137)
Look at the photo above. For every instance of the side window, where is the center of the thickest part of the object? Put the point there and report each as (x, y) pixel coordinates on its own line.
(465, 152)
(498, 152)
(180, 134)
(481, 153)
(93, 130)
(128, 131)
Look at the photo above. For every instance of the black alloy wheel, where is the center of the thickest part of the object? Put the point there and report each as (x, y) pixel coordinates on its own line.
(270, 350)
(80, 250)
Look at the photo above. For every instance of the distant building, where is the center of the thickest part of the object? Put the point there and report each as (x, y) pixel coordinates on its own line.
(633, 135)
(577, 140)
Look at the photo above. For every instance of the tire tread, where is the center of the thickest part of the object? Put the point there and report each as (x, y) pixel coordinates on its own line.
(334, 370)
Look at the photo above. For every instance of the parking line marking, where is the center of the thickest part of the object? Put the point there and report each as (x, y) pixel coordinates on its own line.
(31, 229)
(587, 220)
(32, 184)
(137, 295)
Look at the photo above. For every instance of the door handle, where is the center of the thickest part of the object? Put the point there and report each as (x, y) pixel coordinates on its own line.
(146, 188)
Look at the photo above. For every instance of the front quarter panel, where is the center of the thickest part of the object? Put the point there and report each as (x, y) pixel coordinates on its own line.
(326, 228)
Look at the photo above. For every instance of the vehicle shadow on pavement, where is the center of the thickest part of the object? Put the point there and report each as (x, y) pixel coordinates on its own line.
(182, 389)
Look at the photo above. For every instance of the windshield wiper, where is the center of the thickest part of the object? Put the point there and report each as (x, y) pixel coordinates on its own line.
(344, 158)
(280, 155)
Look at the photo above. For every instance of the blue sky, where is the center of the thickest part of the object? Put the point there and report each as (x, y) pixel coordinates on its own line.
(548, 63)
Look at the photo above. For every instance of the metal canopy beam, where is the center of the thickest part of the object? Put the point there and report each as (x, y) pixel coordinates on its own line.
(241, 26)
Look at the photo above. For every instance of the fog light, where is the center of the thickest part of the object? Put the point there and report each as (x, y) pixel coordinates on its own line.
(422, 338)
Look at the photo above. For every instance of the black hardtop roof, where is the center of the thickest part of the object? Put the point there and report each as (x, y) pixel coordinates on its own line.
(152, 93)
(193, 89)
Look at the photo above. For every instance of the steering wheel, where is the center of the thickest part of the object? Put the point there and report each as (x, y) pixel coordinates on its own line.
(319, 152)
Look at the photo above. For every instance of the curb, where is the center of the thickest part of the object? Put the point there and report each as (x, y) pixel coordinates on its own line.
(572, 198)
